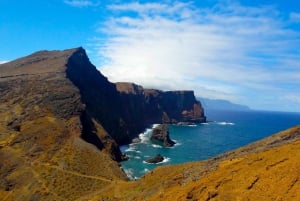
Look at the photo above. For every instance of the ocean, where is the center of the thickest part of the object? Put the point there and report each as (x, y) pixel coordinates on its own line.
(225, 130)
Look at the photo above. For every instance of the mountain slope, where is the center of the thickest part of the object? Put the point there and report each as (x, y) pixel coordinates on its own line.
(61, 123)
(42, 145)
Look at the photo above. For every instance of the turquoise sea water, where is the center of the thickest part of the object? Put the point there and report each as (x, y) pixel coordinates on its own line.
(225, 130)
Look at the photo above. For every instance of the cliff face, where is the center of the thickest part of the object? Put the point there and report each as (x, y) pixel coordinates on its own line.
(154, 106)
(49, 141)
(61, 122)
(125, 109)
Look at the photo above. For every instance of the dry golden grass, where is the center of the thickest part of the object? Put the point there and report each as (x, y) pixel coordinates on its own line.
(266, 170)
(45, 160)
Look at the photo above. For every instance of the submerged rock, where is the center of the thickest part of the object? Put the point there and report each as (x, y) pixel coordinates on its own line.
(156, 159)
(161, 134)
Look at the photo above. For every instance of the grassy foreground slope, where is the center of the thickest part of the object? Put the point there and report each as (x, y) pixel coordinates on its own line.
(265, 170)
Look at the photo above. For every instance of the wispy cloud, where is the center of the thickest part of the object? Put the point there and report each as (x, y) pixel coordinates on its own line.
(295, 17)
(81, 3)
(226, 51)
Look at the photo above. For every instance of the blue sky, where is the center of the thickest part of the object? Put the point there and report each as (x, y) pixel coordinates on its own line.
(243, 51)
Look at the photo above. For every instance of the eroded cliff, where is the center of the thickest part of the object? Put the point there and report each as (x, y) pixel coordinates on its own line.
(156, 106)
(61, 122)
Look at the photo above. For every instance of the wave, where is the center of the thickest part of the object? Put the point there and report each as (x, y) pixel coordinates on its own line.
(156, 146)
(177, 143)
(145, 136)
(130, 173)
(132, 148)
(186, 124)
(224, 123)
(204, 123)
(166, 159)
(146, 170)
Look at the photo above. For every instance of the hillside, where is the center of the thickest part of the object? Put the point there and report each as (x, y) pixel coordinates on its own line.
(61, 124)
(264, 170)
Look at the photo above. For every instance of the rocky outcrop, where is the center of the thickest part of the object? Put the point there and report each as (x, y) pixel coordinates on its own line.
(161, 134)
(156, 159)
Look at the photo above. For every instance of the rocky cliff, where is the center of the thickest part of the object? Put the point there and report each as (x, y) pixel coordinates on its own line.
(61, 122)
(155, 106)
(50, 141)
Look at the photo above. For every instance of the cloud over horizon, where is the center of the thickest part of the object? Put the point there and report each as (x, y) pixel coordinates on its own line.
(227, 51)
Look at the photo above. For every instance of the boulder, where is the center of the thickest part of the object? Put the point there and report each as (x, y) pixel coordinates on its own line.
(156, 159)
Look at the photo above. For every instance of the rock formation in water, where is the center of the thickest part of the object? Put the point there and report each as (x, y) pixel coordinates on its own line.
(161, 134)
(156, 159)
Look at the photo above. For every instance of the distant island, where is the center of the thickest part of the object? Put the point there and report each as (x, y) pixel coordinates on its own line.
(219, 104)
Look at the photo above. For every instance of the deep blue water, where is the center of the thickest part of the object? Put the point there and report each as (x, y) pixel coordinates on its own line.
(225, 130)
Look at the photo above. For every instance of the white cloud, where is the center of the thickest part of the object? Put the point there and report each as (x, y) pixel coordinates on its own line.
(3, 61)
(225, 51)
(80, 3)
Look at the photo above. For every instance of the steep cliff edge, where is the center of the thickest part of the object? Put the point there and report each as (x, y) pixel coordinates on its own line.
(51, 147)
(125, 109)
(61, 122)
(155, 106)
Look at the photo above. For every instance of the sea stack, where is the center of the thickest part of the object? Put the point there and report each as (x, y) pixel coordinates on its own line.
(161, 134)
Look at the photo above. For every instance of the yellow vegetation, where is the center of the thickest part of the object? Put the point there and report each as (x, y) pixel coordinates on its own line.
(254, 173)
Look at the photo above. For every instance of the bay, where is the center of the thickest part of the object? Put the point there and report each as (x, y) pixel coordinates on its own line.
(225, 130)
